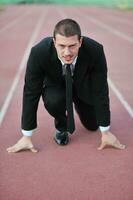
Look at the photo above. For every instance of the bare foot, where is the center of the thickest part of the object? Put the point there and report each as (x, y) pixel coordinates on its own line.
(108, 139)
(24, 143)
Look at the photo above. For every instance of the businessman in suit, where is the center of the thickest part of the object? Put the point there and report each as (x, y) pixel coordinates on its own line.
(46, 76)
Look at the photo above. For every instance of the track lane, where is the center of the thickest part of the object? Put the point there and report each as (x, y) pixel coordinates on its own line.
(11, 15)
(12, 47)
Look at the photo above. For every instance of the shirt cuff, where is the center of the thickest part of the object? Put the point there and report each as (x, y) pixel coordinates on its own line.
(104, 128)
(27, 133)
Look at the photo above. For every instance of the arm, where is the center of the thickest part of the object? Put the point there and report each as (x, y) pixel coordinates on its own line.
(31, 95)
(101, 102)
(100, 90)
(32, 91)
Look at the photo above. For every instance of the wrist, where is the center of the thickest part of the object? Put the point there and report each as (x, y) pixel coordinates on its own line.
(104, 129)
(27, 133)
(105, 133)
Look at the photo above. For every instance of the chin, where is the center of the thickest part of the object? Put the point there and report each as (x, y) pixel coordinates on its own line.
(68, 62)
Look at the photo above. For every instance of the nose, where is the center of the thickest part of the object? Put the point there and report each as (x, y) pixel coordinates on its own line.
(67, 51)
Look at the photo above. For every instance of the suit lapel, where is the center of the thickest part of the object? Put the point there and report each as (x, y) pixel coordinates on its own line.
(81, 68)
(55, 64)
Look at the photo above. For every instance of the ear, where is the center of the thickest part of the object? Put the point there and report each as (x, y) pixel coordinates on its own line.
(54, 40)
(81, 39)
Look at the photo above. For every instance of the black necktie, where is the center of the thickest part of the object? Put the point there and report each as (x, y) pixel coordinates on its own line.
(69, 99)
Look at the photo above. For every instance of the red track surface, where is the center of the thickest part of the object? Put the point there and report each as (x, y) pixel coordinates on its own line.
(78, 171)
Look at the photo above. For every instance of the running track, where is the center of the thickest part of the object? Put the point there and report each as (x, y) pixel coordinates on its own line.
(78, 171)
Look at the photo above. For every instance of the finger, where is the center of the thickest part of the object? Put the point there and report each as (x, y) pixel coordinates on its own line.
(101, 146)
(119, 146)
(8, 149)
(12, 150)
(16, 149)
(33, 150)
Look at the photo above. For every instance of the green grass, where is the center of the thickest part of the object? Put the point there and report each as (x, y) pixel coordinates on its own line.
(122, 4)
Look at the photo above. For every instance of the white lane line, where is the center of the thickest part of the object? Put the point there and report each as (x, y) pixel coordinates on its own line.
(112, 16)
(121, 98)
(111, 29)
(9, 25)
(111, 84)
(21, 67)
(121, 20)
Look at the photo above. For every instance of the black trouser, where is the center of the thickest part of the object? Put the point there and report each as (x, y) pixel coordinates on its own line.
(55, 104)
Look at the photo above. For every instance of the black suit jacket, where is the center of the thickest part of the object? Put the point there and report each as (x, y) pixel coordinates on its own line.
(45, 69)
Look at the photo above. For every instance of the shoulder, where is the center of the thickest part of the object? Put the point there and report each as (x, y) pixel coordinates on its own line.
(43, 47)
(45, 42)
(91, 45)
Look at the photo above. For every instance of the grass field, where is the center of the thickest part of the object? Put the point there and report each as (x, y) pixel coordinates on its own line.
(122, 4)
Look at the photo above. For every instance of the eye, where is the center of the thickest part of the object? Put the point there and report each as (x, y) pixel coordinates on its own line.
(73, 45)
(62, 46)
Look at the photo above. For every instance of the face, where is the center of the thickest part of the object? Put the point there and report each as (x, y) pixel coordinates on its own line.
(67, 47)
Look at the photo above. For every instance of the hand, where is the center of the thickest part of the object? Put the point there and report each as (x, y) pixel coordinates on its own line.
(108, 139)
(24, 143)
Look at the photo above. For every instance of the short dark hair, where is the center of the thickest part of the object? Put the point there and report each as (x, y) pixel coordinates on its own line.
(67, 27)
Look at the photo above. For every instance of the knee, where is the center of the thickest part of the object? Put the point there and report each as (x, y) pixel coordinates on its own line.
(90, 127)
(54, 104)
(51, 103)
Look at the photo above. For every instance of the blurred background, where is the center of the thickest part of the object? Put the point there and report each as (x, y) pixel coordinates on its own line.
(122, 4)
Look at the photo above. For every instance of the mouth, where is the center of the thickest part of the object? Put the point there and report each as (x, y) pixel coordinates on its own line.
(68, 58)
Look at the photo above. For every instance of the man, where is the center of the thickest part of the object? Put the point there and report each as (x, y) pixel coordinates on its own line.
(46, 76)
